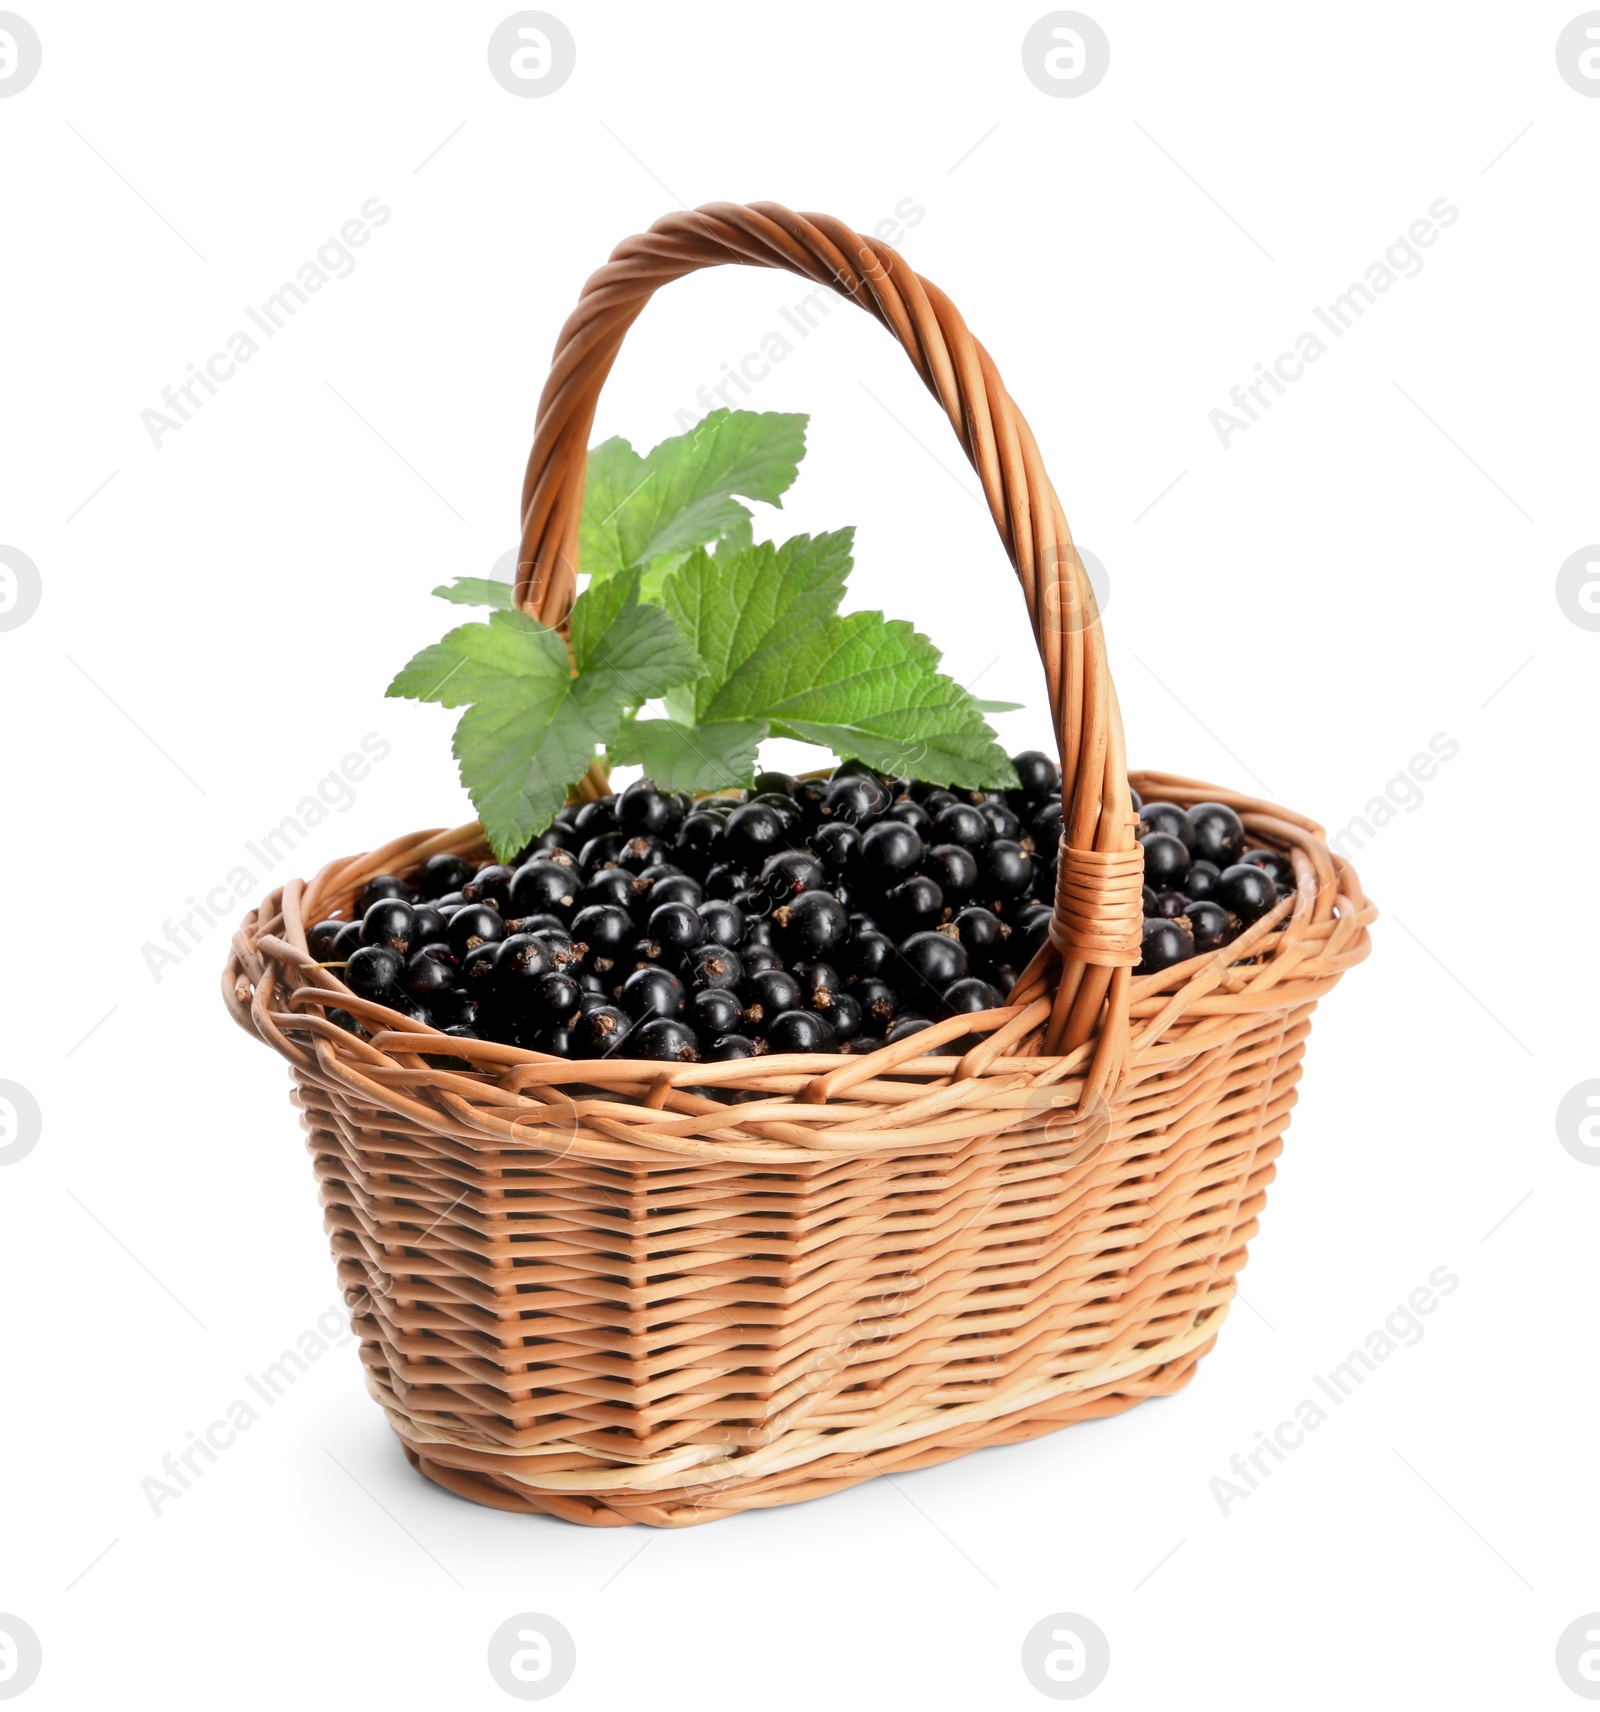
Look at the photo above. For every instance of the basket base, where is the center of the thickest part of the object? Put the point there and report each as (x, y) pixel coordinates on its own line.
(687, 1506)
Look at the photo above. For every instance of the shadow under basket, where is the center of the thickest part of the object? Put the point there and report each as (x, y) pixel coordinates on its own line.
(618, 1291)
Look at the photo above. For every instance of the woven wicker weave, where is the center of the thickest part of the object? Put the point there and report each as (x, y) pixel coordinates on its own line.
(591, 1290)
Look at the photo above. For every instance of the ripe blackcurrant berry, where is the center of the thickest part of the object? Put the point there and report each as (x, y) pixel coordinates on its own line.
(1246, 890)
(776, 784)
(1170, 905)
(715, 1011)
(932, 961)
(676, 928)
(666, 1040)
(373, 971)
(960, 823)
(555, 1001)
(1166, 861)
(431, 924)
(425, 976)
(346, 940)
(982, 933)
(878, 1003)
(442, 873)
(596, 817)
(473, 925)
(758, 957)
(818, 982)
(910, 1023)
(609, 886)
(319, 941)
(492, 885)
(391, 922)
(381, 886)
(801, 1031)
(699, 838)
(1007, 869)
(1169, 818)
(724, 879)
(913, 815)
(477, 972)
(519, 961)
(970, 994)
(768, 993)
(813, 923)
(754, 832)
(1044, 827)
(642, 808)
(606, 929)
(1149, 897)
(652, 992)
(1210, 925)
(728, 1047)
(1165, 943)
(1218, 833)
(672, 889)
(1276, 864)
(714, 966)
(868, 952)
(641, 853)
(602, 1032)
(600, 852)
(844, 1012)
(1201, 881)
(913, 905)
(1002, 822)
(1037, 775)
(955, 868)
(791, 872)
(889, 851)
(721, 923)
(855, 799)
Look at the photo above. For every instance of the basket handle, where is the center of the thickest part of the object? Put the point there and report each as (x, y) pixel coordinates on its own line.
(1096, 927)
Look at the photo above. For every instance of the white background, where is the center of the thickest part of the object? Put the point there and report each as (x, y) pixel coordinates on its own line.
(1296, 614)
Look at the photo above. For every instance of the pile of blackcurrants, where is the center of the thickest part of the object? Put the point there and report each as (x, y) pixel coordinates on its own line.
(799, 916)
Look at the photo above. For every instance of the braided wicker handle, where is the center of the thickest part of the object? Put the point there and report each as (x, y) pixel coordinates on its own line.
(1097, 920)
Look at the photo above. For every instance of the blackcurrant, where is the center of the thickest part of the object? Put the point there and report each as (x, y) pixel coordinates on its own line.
(1218, 833)
(430, 925)
(676, 928)
(391, 922)
(1277, 865)
(492, 885)
(878, 1003)
(960, 823)
(955, 868)
(1044, 828)
(519, 961)
(473, 925)
(754, 832)
(319, 941)
(889, 851)
(773, 784)
(868, 952)
(1036, 773)
(758, 957)
(381, 886)
(791, 872)
(424, 976)
(970, 994)
(1201, 881)
(602, 1032)
(1165, 943)
(641, 853)
(1210, 925)
(770, 992)
(1170, 904)
(1169, 818)
(670, 889)
(609, 886)
(932, 961)
(714, 966)
(556, 999)
(1246, 890)
(596, 817)
(855, 798)
(721, 923)
(373, 971)
(600, 852)
(715, 1011)
(443, 873)
(642, 808)
(1166, 861)
(699, 837)
(813, 923)
(838, 844)
(844, 1012)
(801, 1031)
(477, 972)
(728, 1047)
(982, 933)
(913, 815)
(909, 1024)
(666, 1040)
(913, 905)
(1002, 822)
(1007, 869)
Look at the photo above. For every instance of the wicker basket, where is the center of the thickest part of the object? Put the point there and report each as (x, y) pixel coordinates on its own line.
(590, 1290)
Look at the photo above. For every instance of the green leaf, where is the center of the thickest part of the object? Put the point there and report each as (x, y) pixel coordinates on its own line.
(998, 706)
(682, 494)
(773, 647)
(691, 757)
(478, 591)
(531, 727)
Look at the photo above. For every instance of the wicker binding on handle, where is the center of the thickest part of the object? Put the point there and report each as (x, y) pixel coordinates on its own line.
(1098, 916)
(597, 1290)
